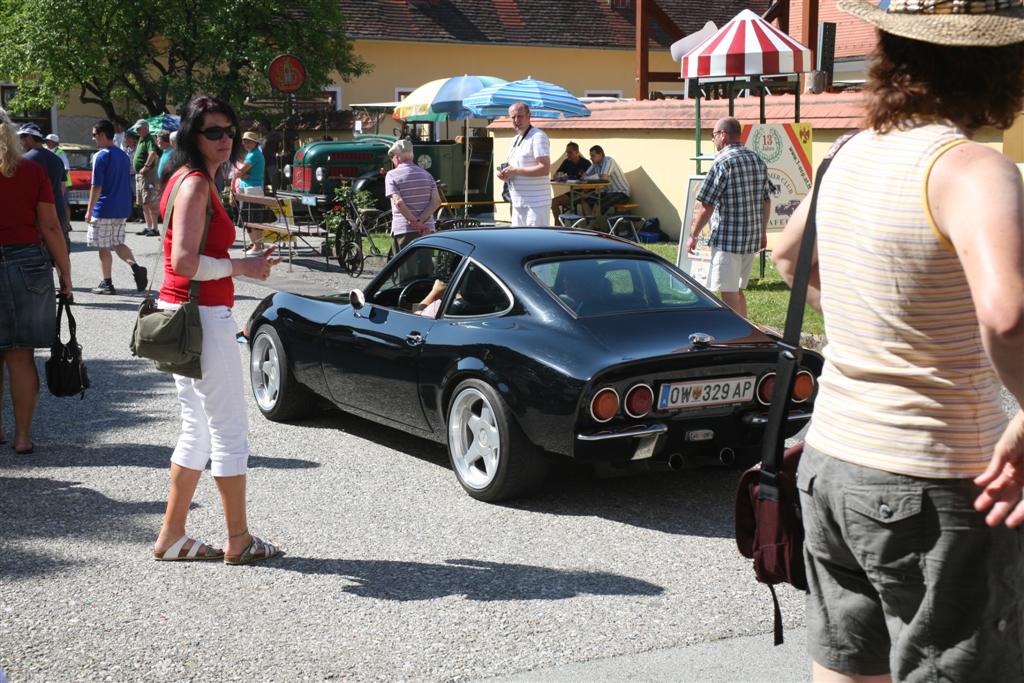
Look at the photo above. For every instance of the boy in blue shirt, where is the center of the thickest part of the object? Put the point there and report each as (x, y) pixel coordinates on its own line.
(110, 204)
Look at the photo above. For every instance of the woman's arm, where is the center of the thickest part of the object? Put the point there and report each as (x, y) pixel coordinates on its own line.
(53, 236)
(188, 222)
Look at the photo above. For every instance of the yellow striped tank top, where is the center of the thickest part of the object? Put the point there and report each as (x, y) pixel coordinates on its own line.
(906, 387)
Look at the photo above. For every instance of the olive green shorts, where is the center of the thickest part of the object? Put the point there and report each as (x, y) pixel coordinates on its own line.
(905, 577)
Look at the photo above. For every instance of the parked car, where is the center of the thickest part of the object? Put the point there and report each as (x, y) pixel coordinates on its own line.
(80, 163)
(547, 343)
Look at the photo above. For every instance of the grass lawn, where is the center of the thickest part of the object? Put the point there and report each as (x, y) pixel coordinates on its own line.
(767, 298)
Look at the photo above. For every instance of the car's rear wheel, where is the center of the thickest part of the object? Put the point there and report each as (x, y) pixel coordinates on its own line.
(278, 395)
(492, 458)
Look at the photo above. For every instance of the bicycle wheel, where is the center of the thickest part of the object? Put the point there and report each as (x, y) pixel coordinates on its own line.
(351, 258)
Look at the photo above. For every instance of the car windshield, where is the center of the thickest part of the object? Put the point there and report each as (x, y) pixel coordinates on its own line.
(600, 286)
(79, 160)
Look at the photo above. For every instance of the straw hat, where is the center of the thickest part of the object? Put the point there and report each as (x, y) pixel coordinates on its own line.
(966, 23)
(251, 137)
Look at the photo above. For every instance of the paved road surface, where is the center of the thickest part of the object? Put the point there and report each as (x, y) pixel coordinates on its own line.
(392, 572)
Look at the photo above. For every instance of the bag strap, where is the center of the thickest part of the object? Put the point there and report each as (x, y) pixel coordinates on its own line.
(774, 439)
(193, 289)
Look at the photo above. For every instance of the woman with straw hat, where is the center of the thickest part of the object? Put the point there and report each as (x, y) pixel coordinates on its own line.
(249, 176)
(912, 477)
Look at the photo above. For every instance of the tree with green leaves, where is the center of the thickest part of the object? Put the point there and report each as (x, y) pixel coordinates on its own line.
(132, 56)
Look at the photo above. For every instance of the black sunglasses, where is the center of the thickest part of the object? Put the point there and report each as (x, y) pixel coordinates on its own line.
(217, 132)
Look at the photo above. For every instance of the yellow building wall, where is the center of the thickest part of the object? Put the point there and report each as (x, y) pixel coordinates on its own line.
(658, 163)
(405, 64)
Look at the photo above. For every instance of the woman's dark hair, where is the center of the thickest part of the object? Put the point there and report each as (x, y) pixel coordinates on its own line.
(186, 150)
(970, 86)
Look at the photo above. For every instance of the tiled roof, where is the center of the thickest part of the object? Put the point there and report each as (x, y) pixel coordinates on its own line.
(840, 111)
(570, 23)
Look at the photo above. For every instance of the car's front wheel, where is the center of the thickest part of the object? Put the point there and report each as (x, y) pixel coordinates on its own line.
(278, 395)
(492, 458)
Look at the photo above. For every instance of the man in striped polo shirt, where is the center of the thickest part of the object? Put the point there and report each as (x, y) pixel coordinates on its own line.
(413, 194)
(735, 197)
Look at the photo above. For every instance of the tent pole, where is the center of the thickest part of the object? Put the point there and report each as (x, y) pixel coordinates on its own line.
(796, 100)
(696, 130)
(465, 181)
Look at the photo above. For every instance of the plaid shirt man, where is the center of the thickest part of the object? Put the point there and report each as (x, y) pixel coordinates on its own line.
(736, 185)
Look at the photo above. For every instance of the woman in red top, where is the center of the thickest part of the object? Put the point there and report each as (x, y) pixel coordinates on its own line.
(28, 316)
(213, 410)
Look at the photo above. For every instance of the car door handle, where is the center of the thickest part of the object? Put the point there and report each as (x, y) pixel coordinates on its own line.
(414, 339)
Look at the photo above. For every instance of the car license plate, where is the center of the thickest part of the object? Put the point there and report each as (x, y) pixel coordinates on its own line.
(705, 392)
(78, 197)
(309, 201)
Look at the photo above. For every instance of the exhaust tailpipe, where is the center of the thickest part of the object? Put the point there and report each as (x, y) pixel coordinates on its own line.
(726, 456)
(675, 462)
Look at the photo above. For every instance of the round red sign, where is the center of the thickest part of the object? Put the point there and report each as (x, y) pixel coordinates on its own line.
(287, 73)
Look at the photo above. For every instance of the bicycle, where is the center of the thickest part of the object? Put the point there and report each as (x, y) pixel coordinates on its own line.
(358, 227)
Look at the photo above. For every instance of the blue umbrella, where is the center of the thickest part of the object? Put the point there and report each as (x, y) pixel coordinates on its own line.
(546, 100)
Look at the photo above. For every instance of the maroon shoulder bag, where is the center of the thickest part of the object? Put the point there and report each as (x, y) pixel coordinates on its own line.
(769, 529)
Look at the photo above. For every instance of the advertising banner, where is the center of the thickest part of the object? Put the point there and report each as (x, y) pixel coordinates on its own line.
(786, 148)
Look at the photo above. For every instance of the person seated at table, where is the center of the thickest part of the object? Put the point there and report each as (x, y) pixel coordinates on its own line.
(603, 167)
(573, 168)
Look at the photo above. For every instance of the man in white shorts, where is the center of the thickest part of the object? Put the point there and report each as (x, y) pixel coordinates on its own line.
(735, 197)
(110, 204)
(527, 170)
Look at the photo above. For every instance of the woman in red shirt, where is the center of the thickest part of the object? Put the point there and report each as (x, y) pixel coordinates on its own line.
(213, 410)
(28, 316)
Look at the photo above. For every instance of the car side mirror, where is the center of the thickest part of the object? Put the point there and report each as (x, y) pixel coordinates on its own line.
(357, 298)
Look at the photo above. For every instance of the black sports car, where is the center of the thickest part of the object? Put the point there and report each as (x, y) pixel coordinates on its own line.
(541, 342)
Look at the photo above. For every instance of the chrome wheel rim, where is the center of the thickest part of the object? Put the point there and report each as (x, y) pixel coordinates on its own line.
(265, 371)
(474, 439)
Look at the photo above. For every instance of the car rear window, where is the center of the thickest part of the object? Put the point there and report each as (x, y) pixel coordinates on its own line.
(600, 286)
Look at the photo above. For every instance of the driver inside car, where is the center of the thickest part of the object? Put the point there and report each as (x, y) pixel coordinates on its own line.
(445, 263)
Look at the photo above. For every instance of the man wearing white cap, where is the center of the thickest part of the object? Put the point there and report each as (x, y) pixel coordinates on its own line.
(32, 142)
(413, 194)
(147, 191)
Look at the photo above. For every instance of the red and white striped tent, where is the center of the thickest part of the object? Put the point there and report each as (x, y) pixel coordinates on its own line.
(746, 46)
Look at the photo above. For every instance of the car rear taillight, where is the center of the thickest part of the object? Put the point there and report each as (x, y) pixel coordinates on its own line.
(803, 387)
(604, 405)
(765, 388)
(639, 400)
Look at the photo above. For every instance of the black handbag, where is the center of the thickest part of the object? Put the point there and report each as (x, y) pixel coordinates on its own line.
(172, 338)
(66, 374)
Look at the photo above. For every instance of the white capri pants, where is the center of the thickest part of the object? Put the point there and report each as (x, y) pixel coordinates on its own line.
(538, 216)
(213, 413)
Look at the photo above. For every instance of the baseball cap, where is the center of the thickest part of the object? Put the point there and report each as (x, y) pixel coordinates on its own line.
(141, 122)
(30, 129)
(52, 137)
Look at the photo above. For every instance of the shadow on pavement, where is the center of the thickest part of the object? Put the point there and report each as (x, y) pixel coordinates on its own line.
(127, 455)
(39, 507)
(473, 579)
(693, 502)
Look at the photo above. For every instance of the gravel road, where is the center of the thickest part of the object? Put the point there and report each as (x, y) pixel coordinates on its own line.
(392, 572)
